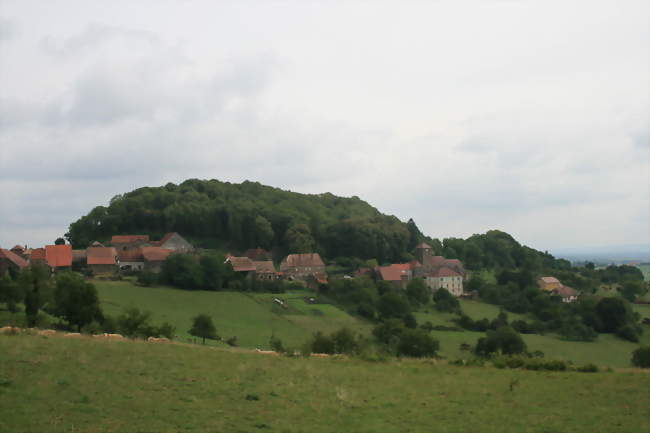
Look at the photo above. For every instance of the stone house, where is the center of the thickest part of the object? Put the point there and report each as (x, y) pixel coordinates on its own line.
(567, 293)
(445, 278)
(175, 242)
(154, 257)
(305, 267)
(10, 260)
(102, 260)
(131, 260)
(241, 264)
(130, 242)
(265, 270)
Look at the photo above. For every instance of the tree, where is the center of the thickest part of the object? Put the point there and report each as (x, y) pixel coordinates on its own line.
(35, 283)
(203, 327)
(76, 300)
(418, 292)
(417, 343)
(445, 301)
(263, 232)
(321, 343)
(393, 305)
(505, 340)
(182, 270)
(388, 331)
(10, 293)
(612, 314)
(641, 357)
(59, 241)
(299, 239)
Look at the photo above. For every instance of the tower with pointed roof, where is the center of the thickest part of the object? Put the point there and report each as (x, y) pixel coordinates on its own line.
(423, 253)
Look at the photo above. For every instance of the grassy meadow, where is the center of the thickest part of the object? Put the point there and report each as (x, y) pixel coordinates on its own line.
(57, 384)
(254, 317)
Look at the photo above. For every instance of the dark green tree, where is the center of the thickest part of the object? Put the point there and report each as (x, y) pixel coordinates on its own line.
(59, 241)
(76, 300)
(392, 304)
(445, 301)
(417, 292)
(612, 313)
(641, 357)
(10, 293)
(203, 327)
(505, 340)
(417, 343)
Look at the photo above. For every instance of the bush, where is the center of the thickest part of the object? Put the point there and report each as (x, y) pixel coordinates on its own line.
(555, 365)
(321, 343)
(417, 343)
(505, 340)
(147, 278)
(588, 368)
(628, 332)
(276, 344)
(167, 330)
(641, 357)
(232, 341)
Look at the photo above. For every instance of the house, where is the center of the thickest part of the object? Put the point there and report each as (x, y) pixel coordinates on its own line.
(130, 242)
(304, 266)
(265, 270)
(20, 251)
(258, 254)
(102, 260)
(58, 257)
(11, 260)
(397, 274)
(175, 242)
(438, 271)
(566, 293)
(38, 256)
(240, 264)
(549, 283)
(445, 278)
(154, 257)
(131, 260)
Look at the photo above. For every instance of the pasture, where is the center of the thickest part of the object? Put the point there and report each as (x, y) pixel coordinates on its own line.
(57, 384)
(254, 317)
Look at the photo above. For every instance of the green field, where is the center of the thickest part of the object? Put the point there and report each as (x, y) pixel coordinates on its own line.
(254, 317)
(59, 384)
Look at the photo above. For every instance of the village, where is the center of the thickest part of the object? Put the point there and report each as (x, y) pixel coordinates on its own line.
(135, 253)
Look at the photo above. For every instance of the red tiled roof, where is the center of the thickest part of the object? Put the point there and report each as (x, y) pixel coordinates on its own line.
(445, 272)
(566, 291)
(394, 272)
(58, 255)
(301, 260)
(38, 254)
(155, 254)
(241, 264)
(96, 244)
(264, 267)
(14, 258)
(321, 278)
(134, 255)
(101, 255)
(125, 239)
(18, 248)
(550, 280)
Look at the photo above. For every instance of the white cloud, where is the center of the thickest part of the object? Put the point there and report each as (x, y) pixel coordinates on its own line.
(527, 117)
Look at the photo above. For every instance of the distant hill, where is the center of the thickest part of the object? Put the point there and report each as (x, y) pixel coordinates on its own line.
(235, 217)
(607, 254)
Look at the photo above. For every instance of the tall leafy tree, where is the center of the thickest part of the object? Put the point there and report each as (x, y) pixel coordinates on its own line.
(76, 300)
(203, 327)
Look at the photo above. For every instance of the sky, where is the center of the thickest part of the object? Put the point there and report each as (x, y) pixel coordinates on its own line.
(531, 117)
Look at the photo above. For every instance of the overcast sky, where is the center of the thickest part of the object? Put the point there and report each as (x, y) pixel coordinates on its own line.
(531, 117)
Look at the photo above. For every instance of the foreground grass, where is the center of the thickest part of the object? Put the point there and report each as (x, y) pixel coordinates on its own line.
(61, 385)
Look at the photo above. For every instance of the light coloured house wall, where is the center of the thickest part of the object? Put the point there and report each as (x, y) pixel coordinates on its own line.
(453, 285)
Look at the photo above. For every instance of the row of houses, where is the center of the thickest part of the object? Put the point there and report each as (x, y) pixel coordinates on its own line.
(125, 252)
(308, 267)
(436, 271)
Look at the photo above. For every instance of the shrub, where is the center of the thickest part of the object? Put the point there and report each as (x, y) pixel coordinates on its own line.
(417, 343)
(641, 357)
(555, 365)
(232, 341)
(588, 368)
(276, 344)
(628, 332)
(505, 339)
(166, 330)
(321, 343)
(146, 278)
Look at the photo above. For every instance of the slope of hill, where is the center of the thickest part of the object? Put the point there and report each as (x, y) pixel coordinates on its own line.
(240, 216)
(254, 317)
(109, 386)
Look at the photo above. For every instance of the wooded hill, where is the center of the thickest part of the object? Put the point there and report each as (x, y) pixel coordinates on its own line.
(235, 217)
